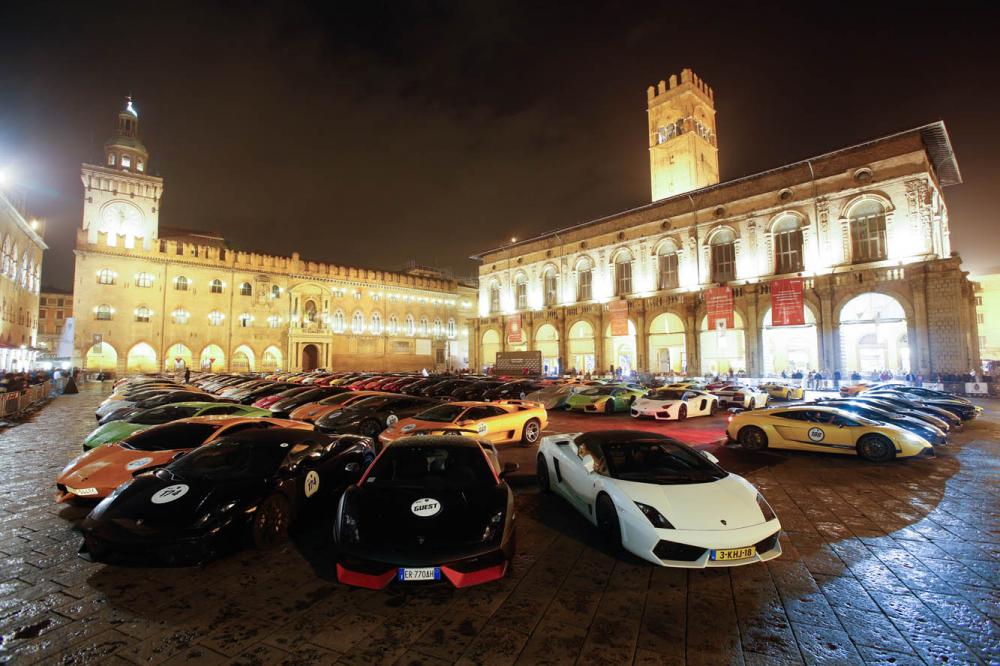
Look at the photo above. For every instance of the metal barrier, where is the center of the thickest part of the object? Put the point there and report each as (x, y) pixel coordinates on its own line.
(13, 403)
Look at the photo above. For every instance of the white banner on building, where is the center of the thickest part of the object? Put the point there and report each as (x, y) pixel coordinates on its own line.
(977, 389)
(934, 386)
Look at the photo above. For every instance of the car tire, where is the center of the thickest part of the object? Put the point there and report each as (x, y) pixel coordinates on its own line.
(876, 448)
(714, 408)
(270, 522)
(531, 432)
(542, 474)
(609, 406)
(607, 522)
(682, 412)
(752, 438)
(370, 428)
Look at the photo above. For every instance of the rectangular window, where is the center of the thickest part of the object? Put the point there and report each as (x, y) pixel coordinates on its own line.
(979, 301)
(585, 290)
(41, 314)
(551, 289)
(668, 278)
(723, 262)
(868, 238)
(522, 296)
(623, 278)
(494, 299)
(788, 251)
(980, 318)
(59, 314)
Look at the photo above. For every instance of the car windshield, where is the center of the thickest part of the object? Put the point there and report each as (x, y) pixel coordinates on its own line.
(667, 394)
(431, 467)
(373, 402)
(601, 390)
(441, 413)
(229, 458)
(656, 461)
(158, 415)
(171, 436)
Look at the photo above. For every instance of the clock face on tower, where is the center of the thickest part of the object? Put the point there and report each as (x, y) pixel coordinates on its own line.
(122, 218)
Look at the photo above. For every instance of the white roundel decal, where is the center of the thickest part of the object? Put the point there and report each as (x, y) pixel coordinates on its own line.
(312, 483)
(137, 463)
(482, 428)
(408, 427)
(391, 420)
(816, 434)
(426, 507)
(169, 494)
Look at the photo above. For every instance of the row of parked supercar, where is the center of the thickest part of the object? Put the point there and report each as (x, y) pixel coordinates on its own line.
(878, 424)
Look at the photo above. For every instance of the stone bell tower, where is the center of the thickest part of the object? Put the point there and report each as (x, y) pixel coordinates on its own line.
(683, 153)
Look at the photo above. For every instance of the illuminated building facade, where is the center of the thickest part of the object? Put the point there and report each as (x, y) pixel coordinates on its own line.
(20, 275)
(988, 316)
(55, 312)
(150, 297)
(865, 228)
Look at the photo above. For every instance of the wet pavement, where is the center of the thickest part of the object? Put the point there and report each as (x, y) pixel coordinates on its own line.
(883, 564)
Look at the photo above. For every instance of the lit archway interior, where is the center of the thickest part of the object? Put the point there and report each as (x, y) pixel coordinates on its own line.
(212, 359)
(790, 348)
(620, 351)
(580, 347)
(667, 345)
(547, 342)
(243, 359)
(722, 351)
(873, 335)
(271, 360)
(101, 356)
(178, 351)
(491, 347)
(310, 358)
(141, 358)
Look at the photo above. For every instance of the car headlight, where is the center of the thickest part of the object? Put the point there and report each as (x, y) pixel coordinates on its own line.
(765, 508)
(215, 514)
(654, 516)
(491, 527)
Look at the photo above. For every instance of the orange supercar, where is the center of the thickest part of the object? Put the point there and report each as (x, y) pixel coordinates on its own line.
(96, 473)
(311, 411)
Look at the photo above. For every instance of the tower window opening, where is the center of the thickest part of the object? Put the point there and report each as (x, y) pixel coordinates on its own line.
(126, 161)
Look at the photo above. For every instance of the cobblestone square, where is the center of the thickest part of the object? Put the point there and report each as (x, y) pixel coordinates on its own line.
(883, 564)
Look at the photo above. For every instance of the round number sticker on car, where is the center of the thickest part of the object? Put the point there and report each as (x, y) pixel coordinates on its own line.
(169, 494)
(816, 434)
(137, 463)
(391, 420)
(408, 427)
(425, 507)
(312, 483)
(481, 428)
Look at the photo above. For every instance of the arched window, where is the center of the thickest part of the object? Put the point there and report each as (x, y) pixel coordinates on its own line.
(144, 280)
(494, 297)
(215, 286)
(358, 323)
(6, 269)
(667, 276)
(181, 283)
(25, 269)
(274, 321)
(521, 291)
(103, 313)
(111, 159)
(787, 245)
(139, 166)
(451, 328)
(126, 160)
(411, 328)
(142, 314)
(338, 321)
(550, 287)
(376, 327)
(868, 231)
(423, 327)
(246, 289)
(275, 291)
(723, 261)
(246, 319)
(180, 316)
(105, 276)
(584, 280)
(309, 311)
(393, 326)
(437, 328)
(215, 318)
(623, 273)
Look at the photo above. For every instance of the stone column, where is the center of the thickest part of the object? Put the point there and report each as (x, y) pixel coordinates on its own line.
(560, 325)
(692, 338)
(753, 336)
(920, 360)
(641, 338)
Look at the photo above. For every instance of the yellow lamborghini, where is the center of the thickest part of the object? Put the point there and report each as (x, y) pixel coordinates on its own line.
(824, 429)
(502, 421)
(779, 391)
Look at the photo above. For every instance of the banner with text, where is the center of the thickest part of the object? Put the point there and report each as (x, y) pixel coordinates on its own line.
(719, 303)
(619, 317)
(514, 328)
(787, 305)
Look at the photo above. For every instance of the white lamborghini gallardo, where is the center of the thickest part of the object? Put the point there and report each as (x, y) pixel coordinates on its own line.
(668, 404)
(660, 499)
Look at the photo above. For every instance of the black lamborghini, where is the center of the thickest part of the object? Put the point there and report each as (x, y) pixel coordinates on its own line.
(246, 489)
(371, 416)
(429, 508)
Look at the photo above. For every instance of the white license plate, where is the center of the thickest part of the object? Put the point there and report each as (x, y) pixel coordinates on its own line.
(427, 573)
(82, 492)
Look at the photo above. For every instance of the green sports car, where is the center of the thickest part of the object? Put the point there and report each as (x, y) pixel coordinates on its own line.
(606, 399)
(115, 431)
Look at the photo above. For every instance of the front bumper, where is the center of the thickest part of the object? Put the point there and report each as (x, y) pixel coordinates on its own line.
(692, 549)
(373, 574)
(658, 413)
(145, 549)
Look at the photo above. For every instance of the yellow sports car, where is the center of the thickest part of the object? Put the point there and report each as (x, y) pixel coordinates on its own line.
(783, 391)
(824, 429)
(502, 421)
(854, 389)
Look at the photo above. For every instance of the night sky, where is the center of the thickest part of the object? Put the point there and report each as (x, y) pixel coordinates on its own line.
(379, 132)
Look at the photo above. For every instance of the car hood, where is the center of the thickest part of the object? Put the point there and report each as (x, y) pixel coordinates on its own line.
(115, 431)
(643, 402)
(701, 506)
(107, 408)
(110, 465)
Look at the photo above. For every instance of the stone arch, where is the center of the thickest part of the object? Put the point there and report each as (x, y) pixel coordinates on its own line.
(102, 356)
(490, 344)
(868, 195)
(141, 358)
(718, 229)
(181, 351)
(621, 351)
(271, 359)
(212, 351)
(668, 243)
(871, 338)
(667, 342)
(621, 254)
(244, 359)
(547, 342)
(790, 348)
(310, 357)
(581, 345)
(722, 351)
(802, 219)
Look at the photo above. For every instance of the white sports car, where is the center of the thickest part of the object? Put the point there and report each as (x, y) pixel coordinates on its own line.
(738, 395)
(660, 499)
(675, 404)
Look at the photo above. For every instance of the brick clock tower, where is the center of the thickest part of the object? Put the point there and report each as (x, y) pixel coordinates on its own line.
(683, 153)
(120, 198)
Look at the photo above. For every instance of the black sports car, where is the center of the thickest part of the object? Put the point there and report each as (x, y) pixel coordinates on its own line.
(248, 487)
(370, 416)
(157, 401)
(282, 408)
(515, 390)
(429, 507)
(960, 407)
(900, 402)
(934, 435)
(474, 391)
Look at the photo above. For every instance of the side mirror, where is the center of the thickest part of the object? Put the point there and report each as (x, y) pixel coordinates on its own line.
(711, 458)
(509, 468)
(588, 463)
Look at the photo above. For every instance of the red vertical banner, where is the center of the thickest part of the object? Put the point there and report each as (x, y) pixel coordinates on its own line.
(619, 317)
(514, 328)
(719, 303)
(787, 303)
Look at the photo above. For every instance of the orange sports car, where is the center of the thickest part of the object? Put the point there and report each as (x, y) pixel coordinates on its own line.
(96, 473)
(311, 411)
